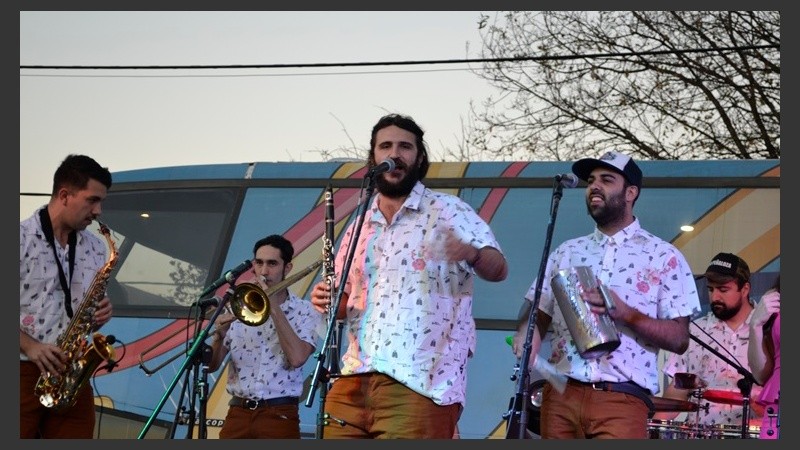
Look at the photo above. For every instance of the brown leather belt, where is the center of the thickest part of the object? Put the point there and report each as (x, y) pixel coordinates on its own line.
(255, 404)
(628, 387)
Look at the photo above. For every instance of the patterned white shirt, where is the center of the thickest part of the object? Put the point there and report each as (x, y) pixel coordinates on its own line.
(258, 367)
(718, 374)
(648, 273)
(409, 312)
(41, 298)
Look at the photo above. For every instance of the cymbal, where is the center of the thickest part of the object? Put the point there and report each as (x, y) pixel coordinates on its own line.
(721, 396)
(662, 404)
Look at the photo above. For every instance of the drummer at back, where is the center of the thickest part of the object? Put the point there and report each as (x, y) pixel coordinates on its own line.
(699, 374)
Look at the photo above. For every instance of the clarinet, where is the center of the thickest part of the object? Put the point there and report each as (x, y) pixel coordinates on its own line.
(329, 273)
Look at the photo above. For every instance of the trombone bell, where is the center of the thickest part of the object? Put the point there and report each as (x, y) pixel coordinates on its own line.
(250, 304)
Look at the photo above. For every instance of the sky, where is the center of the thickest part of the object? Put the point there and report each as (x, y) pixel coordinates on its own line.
(132, 119)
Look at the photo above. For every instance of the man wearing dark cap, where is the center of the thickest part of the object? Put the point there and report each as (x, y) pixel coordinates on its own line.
(654, 294)
(726, 329)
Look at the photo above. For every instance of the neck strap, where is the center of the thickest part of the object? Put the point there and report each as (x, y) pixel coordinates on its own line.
(47, 228)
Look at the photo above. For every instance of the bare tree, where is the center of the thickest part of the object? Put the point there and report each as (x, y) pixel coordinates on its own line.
(656, 84)
(355, 152)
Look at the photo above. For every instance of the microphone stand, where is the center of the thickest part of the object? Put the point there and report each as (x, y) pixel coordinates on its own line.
(193, 358)
(192, 375)
(326, 374)
(518, 412)
(180, 412)
(745, 385)
(200, 382)
(320, 373)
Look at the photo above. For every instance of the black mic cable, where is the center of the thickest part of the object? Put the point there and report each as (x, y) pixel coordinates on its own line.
(718, 343)
(110, 365)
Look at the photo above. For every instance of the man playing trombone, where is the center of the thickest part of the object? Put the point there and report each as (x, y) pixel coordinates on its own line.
(265, 376)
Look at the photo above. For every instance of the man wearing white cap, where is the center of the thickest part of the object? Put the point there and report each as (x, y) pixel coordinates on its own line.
(654, 294)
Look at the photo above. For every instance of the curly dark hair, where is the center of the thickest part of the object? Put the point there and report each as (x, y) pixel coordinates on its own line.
(405, 123)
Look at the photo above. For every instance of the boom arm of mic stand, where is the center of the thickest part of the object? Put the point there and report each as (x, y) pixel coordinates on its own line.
(742, 371)
(336, 298)
(518, 416)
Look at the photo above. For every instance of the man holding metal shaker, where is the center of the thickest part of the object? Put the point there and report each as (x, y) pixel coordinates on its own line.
(609, 354)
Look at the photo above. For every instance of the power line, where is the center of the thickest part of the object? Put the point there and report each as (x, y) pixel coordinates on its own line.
(405, 63)
(362, 72)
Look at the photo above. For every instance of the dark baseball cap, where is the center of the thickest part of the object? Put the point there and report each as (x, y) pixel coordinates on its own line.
(725, 267)
(615, 161)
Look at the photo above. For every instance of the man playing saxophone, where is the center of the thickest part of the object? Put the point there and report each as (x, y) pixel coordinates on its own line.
(58, 261)
(265, 375)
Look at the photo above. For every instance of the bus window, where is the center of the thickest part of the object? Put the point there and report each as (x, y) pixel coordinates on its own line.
(167, 242)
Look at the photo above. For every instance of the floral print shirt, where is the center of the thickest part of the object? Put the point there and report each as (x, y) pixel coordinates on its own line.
(718, 374)
(41, 299)
(409, 311)
(646, 272)
(258, 368)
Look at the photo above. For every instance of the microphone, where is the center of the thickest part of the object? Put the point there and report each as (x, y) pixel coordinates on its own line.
(206, 302)
(386, 166)
(228, 277)
(110, 340)
(567, 180)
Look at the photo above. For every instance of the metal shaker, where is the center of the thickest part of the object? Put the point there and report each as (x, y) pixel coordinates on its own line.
(594, 334)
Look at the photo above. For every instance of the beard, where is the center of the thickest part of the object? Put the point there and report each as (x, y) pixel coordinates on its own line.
(614, 209)
(724, 313)
(404, 186)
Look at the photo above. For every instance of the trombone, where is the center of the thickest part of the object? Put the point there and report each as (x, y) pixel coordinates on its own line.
(249, 303)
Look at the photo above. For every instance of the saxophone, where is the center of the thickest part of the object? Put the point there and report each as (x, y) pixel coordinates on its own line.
(85, 350)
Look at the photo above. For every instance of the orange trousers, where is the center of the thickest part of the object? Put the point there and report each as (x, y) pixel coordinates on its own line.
(38, 421)
(376, 406)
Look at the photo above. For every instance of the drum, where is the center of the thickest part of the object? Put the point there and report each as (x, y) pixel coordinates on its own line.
(666, 429)
(735, 431)
(671, 429)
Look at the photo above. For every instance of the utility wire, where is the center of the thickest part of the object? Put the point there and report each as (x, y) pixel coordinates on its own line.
(242, 75)
(408, 63)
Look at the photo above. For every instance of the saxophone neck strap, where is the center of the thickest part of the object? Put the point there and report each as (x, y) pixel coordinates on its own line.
(47, 228)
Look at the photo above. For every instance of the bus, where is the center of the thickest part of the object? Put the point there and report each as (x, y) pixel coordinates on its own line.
(179, 230)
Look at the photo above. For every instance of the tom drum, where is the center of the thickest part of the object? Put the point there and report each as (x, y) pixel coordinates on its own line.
(735, 431)
(671, 429)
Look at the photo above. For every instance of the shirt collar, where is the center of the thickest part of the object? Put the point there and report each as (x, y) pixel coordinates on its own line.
(621, 236)
(413, 201)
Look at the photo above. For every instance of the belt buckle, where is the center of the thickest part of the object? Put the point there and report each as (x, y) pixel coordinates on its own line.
(599, 386)
(252, 405)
